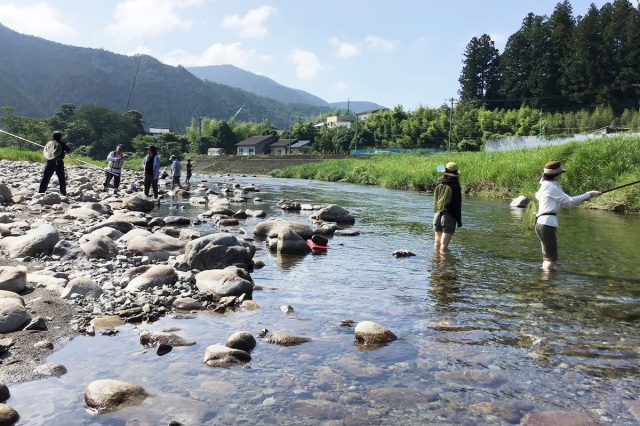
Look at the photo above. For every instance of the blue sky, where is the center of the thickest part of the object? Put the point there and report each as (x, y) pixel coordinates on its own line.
(402, 52)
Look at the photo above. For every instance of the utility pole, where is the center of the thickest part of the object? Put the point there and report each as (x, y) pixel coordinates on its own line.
(199, 132)
(348, 102)
(450, 122)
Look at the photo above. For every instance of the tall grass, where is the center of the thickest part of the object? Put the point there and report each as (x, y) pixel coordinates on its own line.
(597, 164)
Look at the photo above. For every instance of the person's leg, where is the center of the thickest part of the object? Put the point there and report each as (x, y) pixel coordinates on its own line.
(147, 184)
(446, 239)
(448, 229)
(62, 179)
(46, 176)
(549, 244)
(107, 178)
(438, 240)
(154, 185)
(116, 183)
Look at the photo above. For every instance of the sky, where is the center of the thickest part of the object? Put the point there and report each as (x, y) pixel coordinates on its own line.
(402, 52)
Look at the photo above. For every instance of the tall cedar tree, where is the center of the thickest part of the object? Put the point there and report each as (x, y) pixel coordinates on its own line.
(562, 24)
(480, 76)
(525, 64)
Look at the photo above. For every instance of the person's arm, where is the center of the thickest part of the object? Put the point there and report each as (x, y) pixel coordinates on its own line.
(566, 201)
(65, 147)
(112, 156)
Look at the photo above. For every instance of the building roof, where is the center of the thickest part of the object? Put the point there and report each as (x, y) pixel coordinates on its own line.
(300, 144)
(283, 142)
(256, 140)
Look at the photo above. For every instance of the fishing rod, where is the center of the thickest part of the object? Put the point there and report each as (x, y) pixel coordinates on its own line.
(621, 186)
(42, 146)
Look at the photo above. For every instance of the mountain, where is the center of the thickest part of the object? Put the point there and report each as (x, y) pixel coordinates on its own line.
(356, 106)
(37, 76)
(230, 75)
(264, 86)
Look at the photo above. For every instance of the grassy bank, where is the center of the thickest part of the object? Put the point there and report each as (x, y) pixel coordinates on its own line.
(597, 164)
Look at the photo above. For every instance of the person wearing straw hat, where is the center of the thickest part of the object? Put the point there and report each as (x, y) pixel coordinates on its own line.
(447, 201)
(116, 159)
(151, 167)
(551, 198)
(54, 151)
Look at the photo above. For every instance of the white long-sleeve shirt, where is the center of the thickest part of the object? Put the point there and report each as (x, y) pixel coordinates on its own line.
(551, 198)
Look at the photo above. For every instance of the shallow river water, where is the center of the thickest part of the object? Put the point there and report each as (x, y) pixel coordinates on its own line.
(484, 336)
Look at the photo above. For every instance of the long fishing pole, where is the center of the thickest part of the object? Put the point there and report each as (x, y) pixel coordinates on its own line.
(621, 186)
(42, 146)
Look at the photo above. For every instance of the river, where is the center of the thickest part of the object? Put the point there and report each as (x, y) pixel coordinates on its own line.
(484, 337)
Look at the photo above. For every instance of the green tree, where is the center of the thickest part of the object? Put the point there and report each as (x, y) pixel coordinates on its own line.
(480, 76)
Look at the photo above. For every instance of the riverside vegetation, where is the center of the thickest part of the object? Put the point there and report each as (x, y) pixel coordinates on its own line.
(602, 163)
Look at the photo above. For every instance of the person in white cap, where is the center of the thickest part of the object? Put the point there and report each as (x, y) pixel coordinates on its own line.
(551, 198)
(114, 169)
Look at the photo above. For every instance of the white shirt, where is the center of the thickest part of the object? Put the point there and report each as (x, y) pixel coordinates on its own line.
(551, 198)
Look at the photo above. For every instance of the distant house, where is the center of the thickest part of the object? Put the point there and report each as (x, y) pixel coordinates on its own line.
(255, 145)
(340, 121)
(216, 151)
(154, 131)
(301, 147)
(364, 114)
(282, 146)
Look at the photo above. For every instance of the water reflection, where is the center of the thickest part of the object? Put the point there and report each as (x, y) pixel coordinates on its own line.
(480, 328)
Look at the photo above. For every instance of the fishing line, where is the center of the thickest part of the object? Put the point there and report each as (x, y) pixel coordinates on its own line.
(133, 85)
(42, 146)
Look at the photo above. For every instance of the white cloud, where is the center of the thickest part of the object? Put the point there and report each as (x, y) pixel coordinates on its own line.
(345, 50)
(217, 54)
(39, 19)
(340, 87)
(307, 64)
(380, 43)
(140, 18)
(252, 24)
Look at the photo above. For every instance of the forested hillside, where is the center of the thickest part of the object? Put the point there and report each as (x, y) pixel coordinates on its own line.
(38, 76)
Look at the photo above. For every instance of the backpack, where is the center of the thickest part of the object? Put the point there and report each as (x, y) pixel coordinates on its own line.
(52, 150)
(442, 195)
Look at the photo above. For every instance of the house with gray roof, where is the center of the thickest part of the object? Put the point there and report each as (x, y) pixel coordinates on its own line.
(255, 145)
(282, 146)
(301, 147)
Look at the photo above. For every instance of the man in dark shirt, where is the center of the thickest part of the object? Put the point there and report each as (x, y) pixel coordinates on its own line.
(55, 164)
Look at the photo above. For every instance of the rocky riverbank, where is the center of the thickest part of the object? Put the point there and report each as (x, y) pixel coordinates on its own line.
(92, 260)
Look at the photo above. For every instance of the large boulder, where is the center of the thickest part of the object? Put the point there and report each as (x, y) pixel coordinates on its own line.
(273, 229)
(5, 193)
(138, 203)
(217, 251)
(291, 243)
(111, 395)
(84, 286)
(371, 333)
(13, 278)
(157, 246)
(230, 281)
(222, 356)
(98, 246)
(334, 213)
(12, 315)
(39, 240)
(155, 276)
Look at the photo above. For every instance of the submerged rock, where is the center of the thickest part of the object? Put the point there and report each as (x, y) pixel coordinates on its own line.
(111, 395)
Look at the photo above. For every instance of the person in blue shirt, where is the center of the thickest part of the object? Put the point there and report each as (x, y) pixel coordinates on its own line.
(176, 169)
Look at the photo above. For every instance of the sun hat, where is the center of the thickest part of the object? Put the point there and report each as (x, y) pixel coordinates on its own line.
(120, 146)
(451, 169)
(173, 157)
(553, 168)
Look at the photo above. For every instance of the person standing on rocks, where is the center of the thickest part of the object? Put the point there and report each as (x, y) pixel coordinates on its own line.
(54, 152)
(116, 159)
(151, 166)
(189, 172)
(176, 168)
